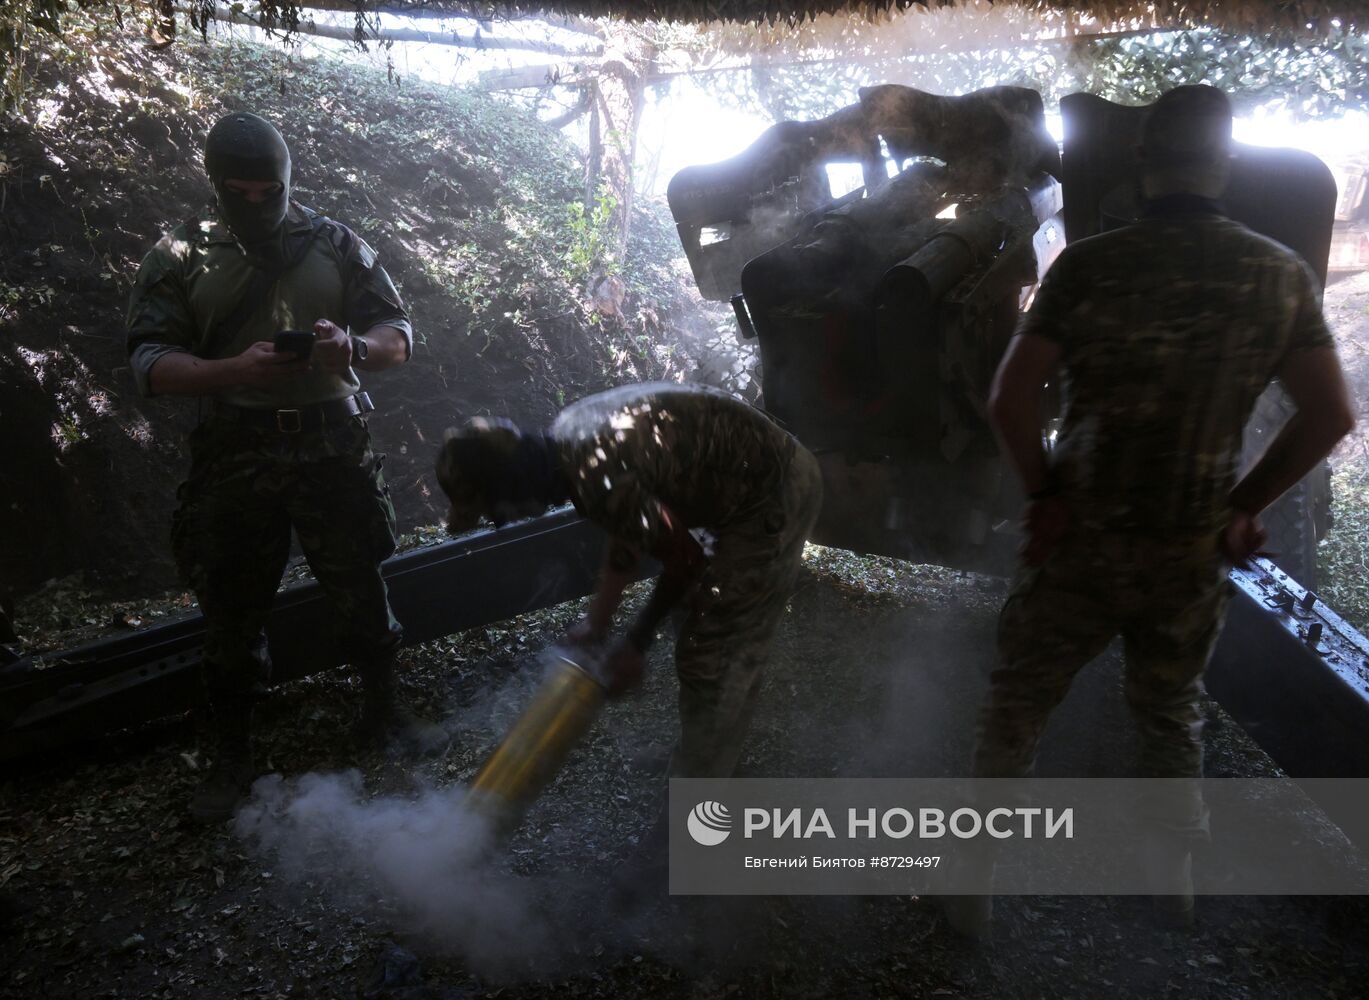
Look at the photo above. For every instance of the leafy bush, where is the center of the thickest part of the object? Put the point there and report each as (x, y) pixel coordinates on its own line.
(1343, 558)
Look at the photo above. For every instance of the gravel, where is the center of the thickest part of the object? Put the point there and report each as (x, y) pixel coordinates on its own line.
(877, 671)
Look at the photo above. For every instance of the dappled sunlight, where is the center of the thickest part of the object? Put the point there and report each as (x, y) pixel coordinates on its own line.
(78, 399)
(47, 112)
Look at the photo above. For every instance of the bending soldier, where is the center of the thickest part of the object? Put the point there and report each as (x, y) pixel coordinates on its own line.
(285, 443)
(648, 463)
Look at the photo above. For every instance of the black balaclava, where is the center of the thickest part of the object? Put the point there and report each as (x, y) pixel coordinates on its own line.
(246, 147)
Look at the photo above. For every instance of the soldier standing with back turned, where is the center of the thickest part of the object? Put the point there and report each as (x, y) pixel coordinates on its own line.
(1166, 332)
(285, 443)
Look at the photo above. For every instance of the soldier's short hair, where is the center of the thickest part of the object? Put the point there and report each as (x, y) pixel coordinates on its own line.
(474, 454)
(1186, 141)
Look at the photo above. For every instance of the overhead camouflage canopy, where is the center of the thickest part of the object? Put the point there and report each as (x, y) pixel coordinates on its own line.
(1316, 16)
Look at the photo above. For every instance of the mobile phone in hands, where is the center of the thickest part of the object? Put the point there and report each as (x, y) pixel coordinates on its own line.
(297, 342)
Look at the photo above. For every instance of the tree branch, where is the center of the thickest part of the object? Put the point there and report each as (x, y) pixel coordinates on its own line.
(581, 108)
(443, 9)
(522, 77)
(476, 40)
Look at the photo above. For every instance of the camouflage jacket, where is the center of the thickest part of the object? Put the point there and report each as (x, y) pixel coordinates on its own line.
(1169, 329)
(196, 276)
(711, 459)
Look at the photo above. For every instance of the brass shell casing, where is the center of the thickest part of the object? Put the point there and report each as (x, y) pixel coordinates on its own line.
(538, 744)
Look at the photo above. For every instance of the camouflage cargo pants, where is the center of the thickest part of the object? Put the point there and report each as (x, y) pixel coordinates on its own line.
(1166, 597)
(721, 648)
(231, 536)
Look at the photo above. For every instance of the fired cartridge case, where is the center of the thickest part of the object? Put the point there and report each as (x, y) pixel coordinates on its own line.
(538, 744)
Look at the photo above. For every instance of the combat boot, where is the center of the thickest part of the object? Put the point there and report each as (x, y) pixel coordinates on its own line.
(971, 917)
(13, 910)
(231, 774)
(1168, 865)
(643, 877)
(384, 720)
(972, 868)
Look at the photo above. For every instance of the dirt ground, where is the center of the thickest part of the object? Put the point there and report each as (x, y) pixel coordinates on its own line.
(877, 671)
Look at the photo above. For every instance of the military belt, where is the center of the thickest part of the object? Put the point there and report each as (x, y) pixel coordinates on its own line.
(296, 419)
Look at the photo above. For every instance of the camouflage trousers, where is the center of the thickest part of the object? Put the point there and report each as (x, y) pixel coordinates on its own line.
(1167, 598)
(723, 643)
(247, 489)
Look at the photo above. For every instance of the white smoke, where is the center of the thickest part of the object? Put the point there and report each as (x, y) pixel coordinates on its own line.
(429, 856)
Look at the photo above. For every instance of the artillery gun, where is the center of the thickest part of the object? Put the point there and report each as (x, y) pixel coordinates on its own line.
(882, 314)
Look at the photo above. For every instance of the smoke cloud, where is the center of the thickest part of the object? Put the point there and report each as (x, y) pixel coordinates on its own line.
(429, 856)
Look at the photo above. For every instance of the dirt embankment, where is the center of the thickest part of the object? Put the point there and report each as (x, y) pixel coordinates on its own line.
(466, 199)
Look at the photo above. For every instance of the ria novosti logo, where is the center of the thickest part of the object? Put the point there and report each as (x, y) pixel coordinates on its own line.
(709, 823)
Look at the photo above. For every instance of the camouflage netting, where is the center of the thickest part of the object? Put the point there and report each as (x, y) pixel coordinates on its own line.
(1302, 15)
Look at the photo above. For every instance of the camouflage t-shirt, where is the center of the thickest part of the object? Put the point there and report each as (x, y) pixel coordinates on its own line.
(711, 459)
(1169, 329)
(196, 276)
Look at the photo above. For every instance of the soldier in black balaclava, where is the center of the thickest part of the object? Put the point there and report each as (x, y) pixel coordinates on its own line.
(242, 155)
(285, 448)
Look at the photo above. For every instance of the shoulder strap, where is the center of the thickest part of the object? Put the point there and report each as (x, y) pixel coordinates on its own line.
(295, 251)
(263, 280)
(257, 289)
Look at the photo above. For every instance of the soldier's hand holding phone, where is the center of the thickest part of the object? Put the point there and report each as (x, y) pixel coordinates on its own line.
(262, 363)
(300, 343)
(332, 347)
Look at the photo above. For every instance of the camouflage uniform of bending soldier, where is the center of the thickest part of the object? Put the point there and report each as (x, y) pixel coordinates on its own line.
(287, 451)
(648, 463)
(635, 453)
(1166, 332)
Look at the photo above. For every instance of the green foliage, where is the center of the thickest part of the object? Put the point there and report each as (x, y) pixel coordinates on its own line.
(1322, 78)
(1312, 79)
(591, 237)
(67, 432)
(1343, 558)
(15, 299)
(18, 18)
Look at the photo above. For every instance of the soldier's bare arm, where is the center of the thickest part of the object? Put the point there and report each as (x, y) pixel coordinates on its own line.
(682, 560)
(1015, 411)
(386, 346)
(181, 373)
(618, 569)
(1015, 405)
(1313, 380)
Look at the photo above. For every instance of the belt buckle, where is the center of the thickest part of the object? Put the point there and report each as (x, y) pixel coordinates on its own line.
(289, 421)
